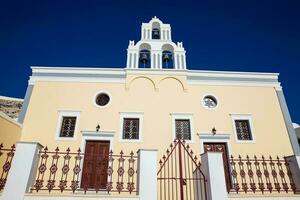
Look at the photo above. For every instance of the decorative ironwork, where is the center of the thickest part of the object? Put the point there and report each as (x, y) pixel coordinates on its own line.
(183, 129)
(6, 156)
(243, 130)
(67, 127)
(261, 175)
(131, 128)
(179, 175)
(61, 170)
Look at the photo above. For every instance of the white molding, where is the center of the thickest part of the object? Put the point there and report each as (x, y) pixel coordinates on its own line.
(188, 116)
(248, 117)
(214, 96)
(34, 79)
(102, 92)
(97, 136)
(118, 75)
(140, 116)
(67, 113)
(11, 98)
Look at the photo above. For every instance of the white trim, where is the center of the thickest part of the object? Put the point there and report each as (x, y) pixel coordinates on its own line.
(65, 113)
(140, 116)
(243, 117)
(217, 82)
(34, 79)
(188, 116)
(212, 95)
(96, 136)
(11, 98)
(104, 70)
(118, 75)
(102, 92)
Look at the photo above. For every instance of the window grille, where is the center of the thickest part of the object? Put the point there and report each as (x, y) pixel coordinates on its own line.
(67, 127)
(243, 130)
(131, 128)
(183, 129)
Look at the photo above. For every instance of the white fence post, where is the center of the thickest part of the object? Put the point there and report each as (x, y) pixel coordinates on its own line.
(213, 169)
(22, 172)
(147, 174)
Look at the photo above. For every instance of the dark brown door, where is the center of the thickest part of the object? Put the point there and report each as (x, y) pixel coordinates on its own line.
(95, 165)
(221, 147)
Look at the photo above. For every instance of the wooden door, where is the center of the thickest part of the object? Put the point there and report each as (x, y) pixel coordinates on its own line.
(221, 147)
(94, 174)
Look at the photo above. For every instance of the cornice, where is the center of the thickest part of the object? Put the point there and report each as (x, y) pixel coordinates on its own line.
(118, 75)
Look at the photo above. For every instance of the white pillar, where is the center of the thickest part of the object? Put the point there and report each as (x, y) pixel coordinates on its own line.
(147, 174)
(184, 62)
(294, 165)
(22, 172)
(128, 58)
(213, 169)
(159, 60)
(152, 60)
(136, 60)
(178, 61)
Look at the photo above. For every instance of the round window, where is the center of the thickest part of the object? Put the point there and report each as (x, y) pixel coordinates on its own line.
(210, 102)
(102, 99)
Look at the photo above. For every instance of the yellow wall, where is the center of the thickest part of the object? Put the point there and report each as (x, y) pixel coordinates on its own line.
(10, 132)
(157, 96)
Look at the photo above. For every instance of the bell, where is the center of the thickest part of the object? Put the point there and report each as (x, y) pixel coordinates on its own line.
(156, 34)
(144, 58)
(166, 58)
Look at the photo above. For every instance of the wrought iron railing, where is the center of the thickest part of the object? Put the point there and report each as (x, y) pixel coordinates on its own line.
(251, 175)
(6, 157)
(62, 171)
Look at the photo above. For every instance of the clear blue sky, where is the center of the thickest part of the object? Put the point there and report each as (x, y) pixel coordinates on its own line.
(245, 35)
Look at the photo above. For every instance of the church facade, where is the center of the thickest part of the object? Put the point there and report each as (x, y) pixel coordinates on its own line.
(82, 127)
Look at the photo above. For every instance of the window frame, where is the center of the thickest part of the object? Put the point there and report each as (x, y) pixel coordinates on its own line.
(62, 114)
(183, 116)
(248, 117)
(137, 115)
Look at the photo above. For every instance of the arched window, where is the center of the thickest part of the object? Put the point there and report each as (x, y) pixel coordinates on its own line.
(144, 59)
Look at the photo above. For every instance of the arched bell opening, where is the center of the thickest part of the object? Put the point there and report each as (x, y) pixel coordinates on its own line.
(156, 34)
(144, 59)
(167, 60)
(167, 56)
(145, 55)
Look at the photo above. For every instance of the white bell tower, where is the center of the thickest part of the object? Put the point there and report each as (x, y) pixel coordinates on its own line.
(156, 50)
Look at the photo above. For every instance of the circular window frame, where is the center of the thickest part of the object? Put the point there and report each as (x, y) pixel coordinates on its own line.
(213, 96)
(97, 94)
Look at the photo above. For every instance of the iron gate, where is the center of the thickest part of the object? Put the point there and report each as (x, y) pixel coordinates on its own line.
(180, 176)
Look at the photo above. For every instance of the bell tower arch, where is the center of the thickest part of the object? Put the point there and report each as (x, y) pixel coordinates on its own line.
(156, 50)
